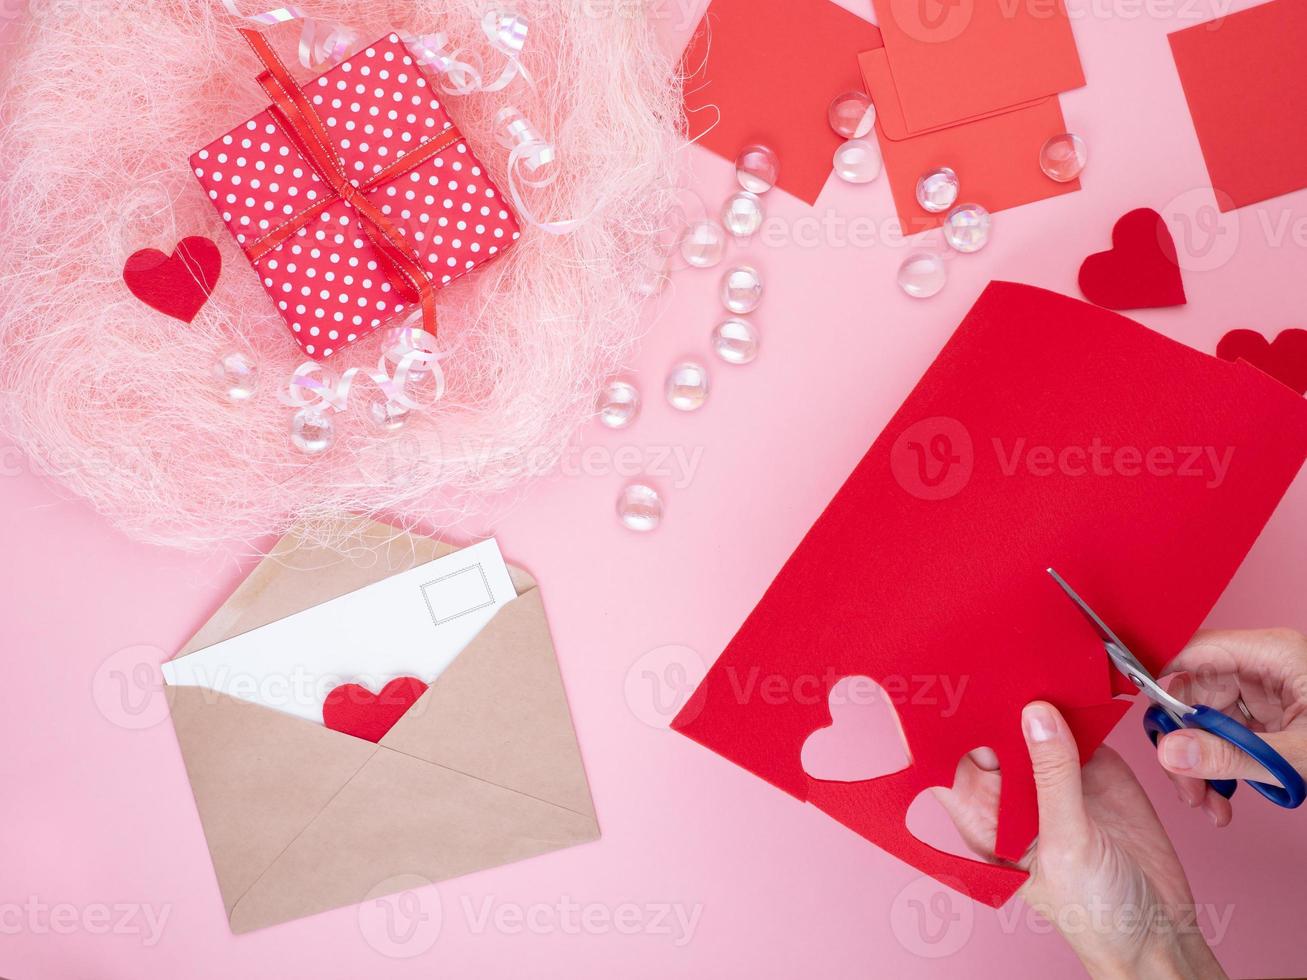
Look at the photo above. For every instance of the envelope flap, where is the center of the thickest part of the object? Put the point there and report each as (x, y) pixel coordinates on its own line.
(259, 778)
(398, 819)
(499, 713)
(300, 573)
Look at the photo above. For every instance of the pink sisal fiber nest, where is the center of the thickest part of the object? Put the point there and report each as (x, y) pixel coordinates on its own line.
(104, 100)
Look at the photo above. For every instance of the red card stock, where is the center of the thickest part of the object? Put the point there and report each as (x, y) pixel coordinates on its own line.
(1244, 78)
(765, 71)
(955, 59)
(1047, 432)
(994, 155)
(1139, 271)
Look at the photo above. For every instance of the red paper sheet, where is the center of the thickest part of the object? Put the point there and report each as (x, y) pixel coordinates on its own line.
(956, 59)
(1047, 432)
(994, 156)
(1244, 77)
(765, 71)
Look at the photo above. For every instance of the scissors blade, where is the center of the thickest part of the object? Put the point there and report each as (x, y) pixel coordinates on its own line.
(1124, 661)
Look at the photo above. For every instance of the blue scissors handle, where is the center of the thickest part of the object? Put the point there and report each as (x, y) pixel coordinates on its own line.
(1292, 790)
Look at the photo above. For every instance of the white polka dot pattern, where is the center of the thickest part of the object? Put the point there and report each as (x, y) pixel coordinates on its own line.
(325, 280)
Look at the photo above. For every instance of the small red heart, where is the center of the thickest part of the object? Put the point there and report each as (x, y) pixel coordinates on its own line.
(177, 284)
(1140, 270)
(1284, 358)
(354, 710)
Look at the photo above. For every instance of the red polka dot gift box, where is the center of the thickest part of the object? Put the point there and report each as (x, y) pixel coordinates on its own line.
(353, 195)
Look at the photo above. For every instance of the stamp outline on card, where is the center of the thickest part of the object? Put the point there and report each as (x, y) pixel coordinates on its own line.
(485, 583)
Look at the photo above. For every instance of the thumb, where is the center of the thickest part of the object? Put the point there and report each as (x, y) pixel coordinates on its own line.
(1055, 759)
(1205, 756)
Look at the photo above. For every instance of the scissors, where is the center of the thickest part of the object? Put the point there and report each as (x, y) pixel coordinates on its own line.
(1168, 714)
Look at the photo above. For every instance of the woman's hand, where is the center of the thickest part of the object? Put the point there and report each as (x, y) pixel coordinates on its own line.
(1102, 871)
(1267, 670)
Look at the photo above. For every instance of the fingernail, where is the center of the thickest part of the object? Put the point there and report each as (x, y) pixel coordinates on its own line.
(1179, 751)
(1211, 815)
(1038, 722)
(1185, 798)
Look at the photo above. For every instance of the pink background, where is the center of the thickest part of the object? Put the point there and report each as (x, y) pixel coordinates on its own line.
(98, 817)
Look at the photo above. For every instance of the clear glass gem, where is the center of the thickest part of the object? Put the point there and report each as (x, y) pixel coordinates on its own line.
(703, 244)
(857, 162)
(742, 214)
(312, 431)
(757, 168)
(386, 414)
(1063, 157)
(619, 404)
(937, 191)
(735, 341)
(741, 289)
(852, 115)
(239, 376)
(966, 228)
(922, 275)
(687, 386)
(639, 507)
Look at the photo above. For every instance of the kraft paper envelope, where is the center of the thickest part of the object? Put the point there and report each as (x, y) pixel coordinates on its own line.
(483, 770)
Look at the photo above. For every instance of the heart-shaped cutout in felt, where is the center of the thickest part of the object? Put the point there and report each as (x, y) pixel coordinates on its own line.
(1140, 271)
(973, 798)
(354, 710)
(1284, 358)
(178, 284)
(864, 739)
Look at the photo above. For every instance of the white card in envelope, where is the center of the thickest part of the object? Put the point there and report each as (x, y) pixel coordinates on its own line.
(413, 624)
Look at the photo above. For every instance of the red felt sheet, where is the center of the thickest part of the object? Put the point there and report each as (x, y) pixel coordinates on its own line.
(1047, 432)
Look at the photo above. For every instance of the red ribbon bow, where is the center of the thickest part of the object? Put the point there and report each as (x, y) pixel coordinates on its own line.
(399, 260)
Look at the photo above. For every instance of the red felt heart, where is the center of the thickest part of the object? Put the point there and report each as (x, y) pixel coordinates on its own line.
(1284, 358)
(354, 710)
(177, 284)
(1139, 271)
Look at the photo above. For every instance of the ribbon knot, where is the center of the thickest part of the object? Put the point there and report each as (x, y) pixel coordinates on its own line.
(399, 260)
